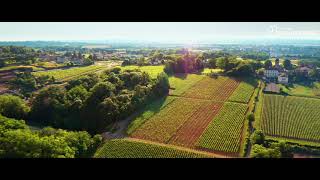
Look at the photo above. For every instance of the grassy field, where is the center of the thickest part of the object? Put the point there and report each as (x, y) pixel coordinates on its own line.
(153, 71)
(209, 70)
(291, 117)
(179, 83)
(224, 132)
(312, 90)
(132, 148)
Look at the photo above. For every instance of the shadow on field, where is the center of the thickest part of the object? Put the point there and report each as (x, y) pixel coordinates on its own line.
(180, 75)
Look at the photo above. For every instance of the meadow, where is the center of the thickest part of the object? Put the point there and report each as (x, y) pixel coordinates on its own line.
(310, 90)
(153, 71)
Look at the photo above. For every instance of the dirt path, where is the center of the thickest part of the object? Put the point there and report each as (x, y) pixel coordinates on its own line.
(121, 127)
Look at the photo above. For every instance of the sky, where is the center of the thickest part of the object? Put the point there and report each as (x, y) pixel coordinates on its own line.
(156, 31)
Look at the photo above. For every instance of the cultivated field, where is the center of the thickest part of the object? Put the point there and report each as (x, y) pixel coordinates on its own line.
(218, 89)
(179, 83)
(291, 117)
(68, 74)
(224, 131)
(132, 148)
(148, 112)
(163, 125)
(244, 91)
(192, 129)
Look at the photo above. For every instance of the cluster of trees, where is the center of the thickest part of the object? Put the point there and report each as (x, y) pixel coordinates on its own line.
(265, 149)
(16, 54)
(26, 83)
(94, 102)
(234, 67)
(19, 141)
(187, 63)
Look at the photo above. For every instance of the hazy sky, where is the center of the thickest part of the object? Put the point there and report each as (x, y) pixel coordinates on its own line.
(155, 31)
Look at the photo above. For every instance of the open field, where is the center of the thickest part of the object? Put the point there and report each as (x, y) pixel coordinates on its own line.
(216, 89)
(68, 74)
(209, 70)
(312, 90)
(291, 117)
(224, 132)
(179, 83)
(153, 71)
(133, 148)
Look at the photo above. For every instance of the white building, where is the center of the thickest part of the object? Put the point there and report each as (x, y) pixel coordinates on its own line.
(283, 79)
(271, 73)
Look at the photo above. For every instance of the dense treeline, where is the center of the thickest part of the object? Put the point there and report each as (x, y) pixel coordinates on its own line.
(187, 63)
(94, 102)
(26, 83)
(19, 141)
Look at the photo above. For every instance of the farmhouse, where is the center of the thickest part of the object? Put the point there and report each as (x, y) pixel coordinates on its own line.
(272, 88)
(61, 59)
(271, 73)
(283, 79)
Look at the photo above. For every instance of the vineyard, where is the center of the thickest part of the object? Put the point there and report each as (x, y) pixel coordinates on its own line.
(244, 91)
(68, 74)
(224, 131)
(148, 112)
(132, 148)
(291, 117)
(180, 83)
(218, 89)
(192, 129)
(163, 125)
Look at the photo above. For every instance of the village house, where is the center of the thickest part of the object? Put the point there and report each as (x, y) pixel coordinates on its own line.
(271, 73)
(61, 59)
(283, 79)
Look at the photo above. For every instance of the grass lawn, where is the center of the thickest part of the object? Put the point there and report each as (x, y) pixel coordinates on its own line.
(209, 70)
(153, 71)
(312, 90)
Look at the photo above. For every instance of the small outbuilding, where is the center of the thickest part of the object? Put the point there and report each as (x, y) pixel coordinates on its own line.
(272, 88)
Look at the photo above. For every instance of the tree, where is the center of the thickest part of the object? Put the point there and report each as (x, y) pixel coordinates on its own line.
(257, 137)
(259, 151)
(162, 84)
(287, 64)
(48, 106)
(212, 63)
(267, 64)
(251, 117)
(222, 63)
(13, 107)
(169, 67)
